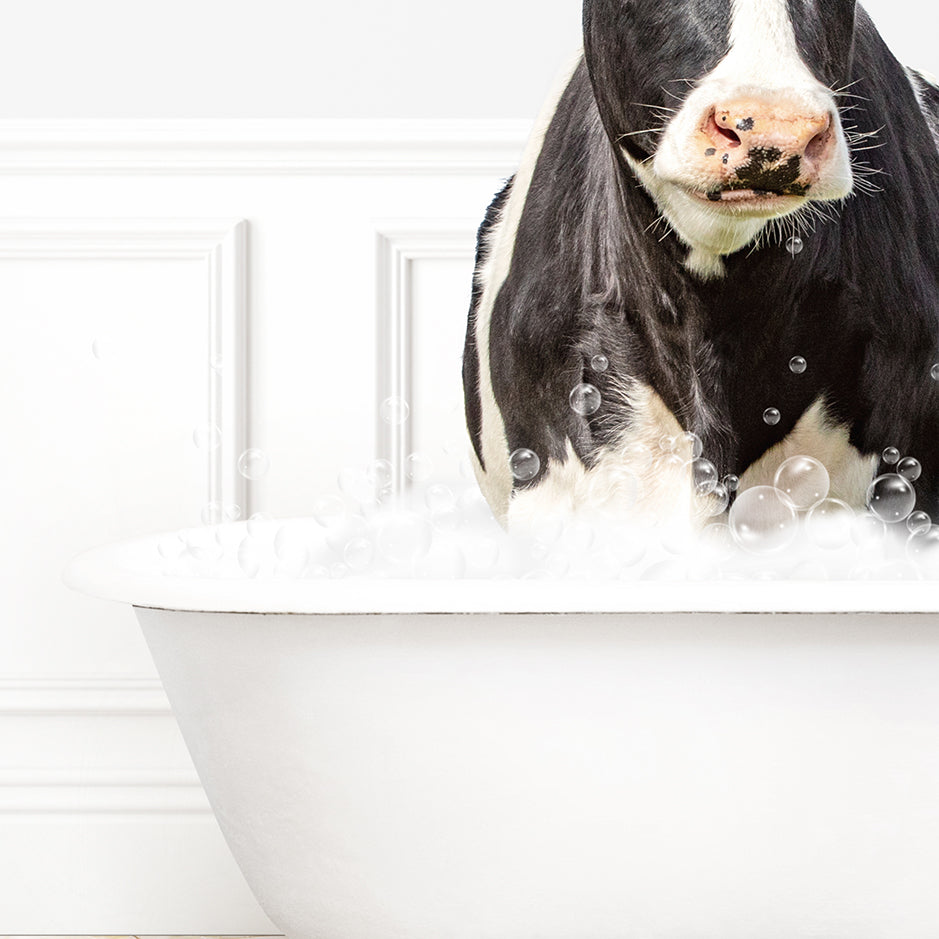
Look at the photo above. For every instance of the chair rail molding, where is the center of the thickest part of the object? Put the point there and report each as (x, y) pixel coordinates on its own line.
(222, 245)
(263, 146)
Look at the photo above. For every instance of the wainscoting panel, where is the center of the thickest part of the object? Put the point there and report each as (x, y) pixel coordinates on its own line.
(175, 293)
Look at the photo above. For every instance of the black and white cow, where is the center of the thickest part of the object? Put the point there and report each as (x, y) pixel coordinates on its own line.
(651, 223)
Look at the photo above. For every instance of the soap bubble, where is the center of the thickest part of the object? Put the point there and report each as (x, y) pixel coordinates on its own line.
(918, 521)
(394, 410)
(771, 416)
(890, 456)
(525, 464)
(207, 437)
(762, 520)
(703, 476)
(803, 481)
(215, 513)
(717, 500)
(891, 498)
(599, 363)
(253, 463)
(667, 443)
(419, 468)
(404, 536)
(256, 522)
(379, 474)
(443, 562)
(794, 245)
(439, 498)
(730, 482)
(922, 548)
(250, 557)
(797, 365)
(359, 553)
(98, 349)
(867, 531)
(585, 399)
(693, 441)
(934, 372)
(909, 468)
(329, 511)
(829, 523)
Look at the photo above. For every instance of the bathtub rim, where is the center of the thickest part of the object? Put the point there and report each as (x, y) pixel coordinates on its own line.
(129, 572)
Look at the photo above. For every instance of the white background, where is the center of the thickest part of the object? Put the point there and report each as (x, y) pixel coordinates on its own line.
(103, 824)
(286, 58)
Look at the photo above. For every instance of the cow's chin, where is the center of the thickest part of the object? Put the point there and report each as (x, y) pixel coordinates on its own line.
(710, 228)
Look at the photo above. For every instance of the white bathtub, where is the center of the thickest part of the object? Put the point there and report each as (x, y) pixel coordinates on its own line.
(530, 760)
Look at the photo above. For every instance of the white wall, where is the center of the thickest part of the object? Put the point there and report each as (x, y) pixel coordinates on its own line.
(284, 58)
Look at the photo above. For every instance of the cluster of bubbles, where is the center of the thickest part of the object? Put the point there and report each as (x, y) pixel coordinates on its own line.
(433, 528)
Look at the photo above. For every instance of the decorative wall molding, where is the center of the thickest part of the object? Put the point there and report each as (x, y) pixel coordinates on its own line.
(68, 697)
(398, 246)
(222, 245)
(304, 147)
(110, 792)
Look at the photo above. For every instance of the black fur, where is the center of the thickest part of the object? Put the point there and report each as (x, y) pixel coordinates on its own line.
(860, 303)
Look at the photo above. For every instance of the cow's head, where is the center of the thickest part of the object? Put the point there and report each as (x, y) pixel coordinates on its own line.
(726, 110)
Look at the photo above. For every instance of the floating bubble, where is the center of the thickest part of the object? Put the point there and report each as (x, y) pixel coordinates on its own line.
(394, 410)
(207, 437)
(419, 468)
(215, 513)
(525, 464)
(771, 416)
(443, 562)
(404, 536)
(256, 523)
(253, 463)
(439, 498)
(667, 443)
(909, 468)
(934, 372)
(803, 481)
(599, 363)
(585, 399)
(98, 349)
(731, 482)
(717, 500)
(797, 365)
(693, 441)
(762, 520)
(922, 548)
(890, 456)
(379, 474)
(794, 245)
(358, 554)
(829, 523)
(250, 557)
(703, 476)
(867, 531)
(329, 511)
(918, 521)
(891, 498)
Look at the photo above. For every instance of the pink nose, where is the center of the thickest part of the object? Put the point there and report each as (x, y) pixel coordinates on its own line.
(764, 143)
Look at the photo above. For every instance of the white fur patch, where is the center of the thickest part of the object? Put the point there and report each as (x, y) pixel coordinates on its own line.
(638, 483)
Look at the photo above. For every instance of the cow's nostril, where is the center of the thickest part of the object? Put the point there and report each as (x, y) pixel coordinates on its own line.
(722, 136)
(816, 146)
